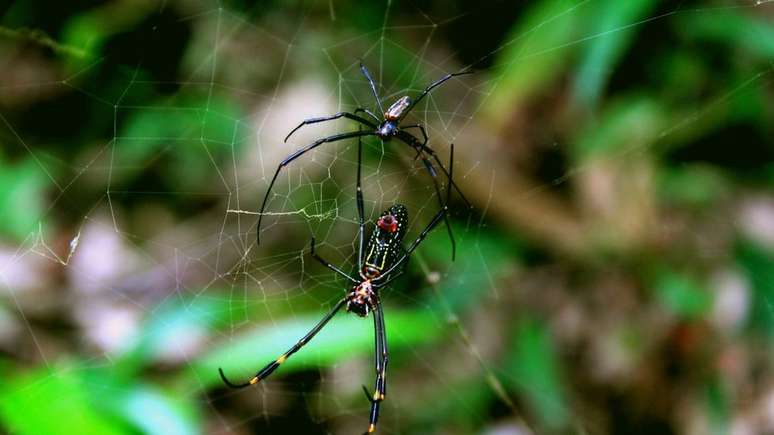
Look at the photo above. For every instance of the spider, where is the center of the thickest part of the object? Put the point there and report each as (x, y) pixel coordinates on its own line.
(384, 128)
(379, 263)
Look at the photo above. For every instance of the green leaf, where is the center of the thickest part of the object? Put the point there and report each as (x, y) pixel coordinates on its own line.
(533, 57)
(486, 255)
(53, 402)
(190, 131)
(175, 320)
(22, 199)
(465, 409)
(758, 263)
(155, 412)
(682, 295)
(752, 34)
(534, 369)
(629, 123)
(89, 30)
(346, 336)
(718, 409)
(692, 184)
(609, 20)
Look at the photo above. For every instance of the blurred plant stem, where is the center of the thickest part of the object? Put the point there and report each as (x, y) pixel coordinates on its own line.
(39, 37)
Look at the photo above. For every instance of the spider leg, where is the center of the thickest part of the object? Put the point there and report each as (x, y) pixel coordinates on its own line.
(434, 85)
(414, 143)
(269, 368)
(381, 356)
(390, 279)
(431, 170)
(367, 75)
(436, 219)
(331, 118)
(360, 206)
(329, 265)
(424, 136)
(369, 113)
(295, 155)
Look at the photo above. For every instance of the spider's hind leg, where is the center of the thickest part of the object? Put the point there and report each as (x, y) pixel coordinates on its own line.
(381, 357)
(268, 369)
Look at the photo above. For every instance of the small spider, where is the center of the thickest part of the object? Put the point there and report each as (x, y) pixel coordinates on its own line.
(384, 128)
(379, 263)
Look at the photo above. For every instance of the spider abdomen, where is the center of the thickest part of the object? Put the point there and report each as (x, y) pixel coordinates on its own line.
(384, 245)
(398, 109)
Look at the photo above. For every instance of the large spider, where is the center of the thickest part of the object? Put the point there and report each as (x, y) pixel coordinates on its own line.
(384, 128)
(378, 265)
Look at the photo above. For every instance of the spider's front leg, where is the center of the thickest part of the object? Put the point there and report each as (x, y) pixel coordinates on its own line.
(295, 155)
(413, 142)
(347, 115)
(421, 148)
(425, 139)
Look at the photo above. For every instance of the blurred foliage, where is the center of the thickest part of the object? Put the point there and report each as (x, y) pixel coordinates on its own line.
(22, 187)
(641, 127)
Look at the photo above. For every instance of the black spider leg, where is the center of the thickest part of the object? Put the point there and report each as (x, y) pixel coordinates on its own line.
(390, 279)
(329, 265)
(367, 75)
(369, 113)
(434, 85)
(381, 356)
(269, 368)
(425, 139)
(431, 170)
(360, 206)
(331, 118)
(436, 219)
(297, 154)
(413, 142)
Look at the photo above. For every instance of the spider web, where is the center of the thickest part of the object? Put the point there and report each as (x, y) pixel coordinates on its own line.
(243, 84)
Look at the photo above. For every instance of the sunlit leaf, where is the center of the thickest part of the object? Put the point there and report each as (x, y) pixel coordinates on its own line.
(53, 402)
(346, 336)
(155, 412)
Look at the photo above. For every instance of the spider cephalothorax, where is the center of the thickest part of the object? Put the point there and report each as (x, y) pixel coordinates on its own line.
(361, 299)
